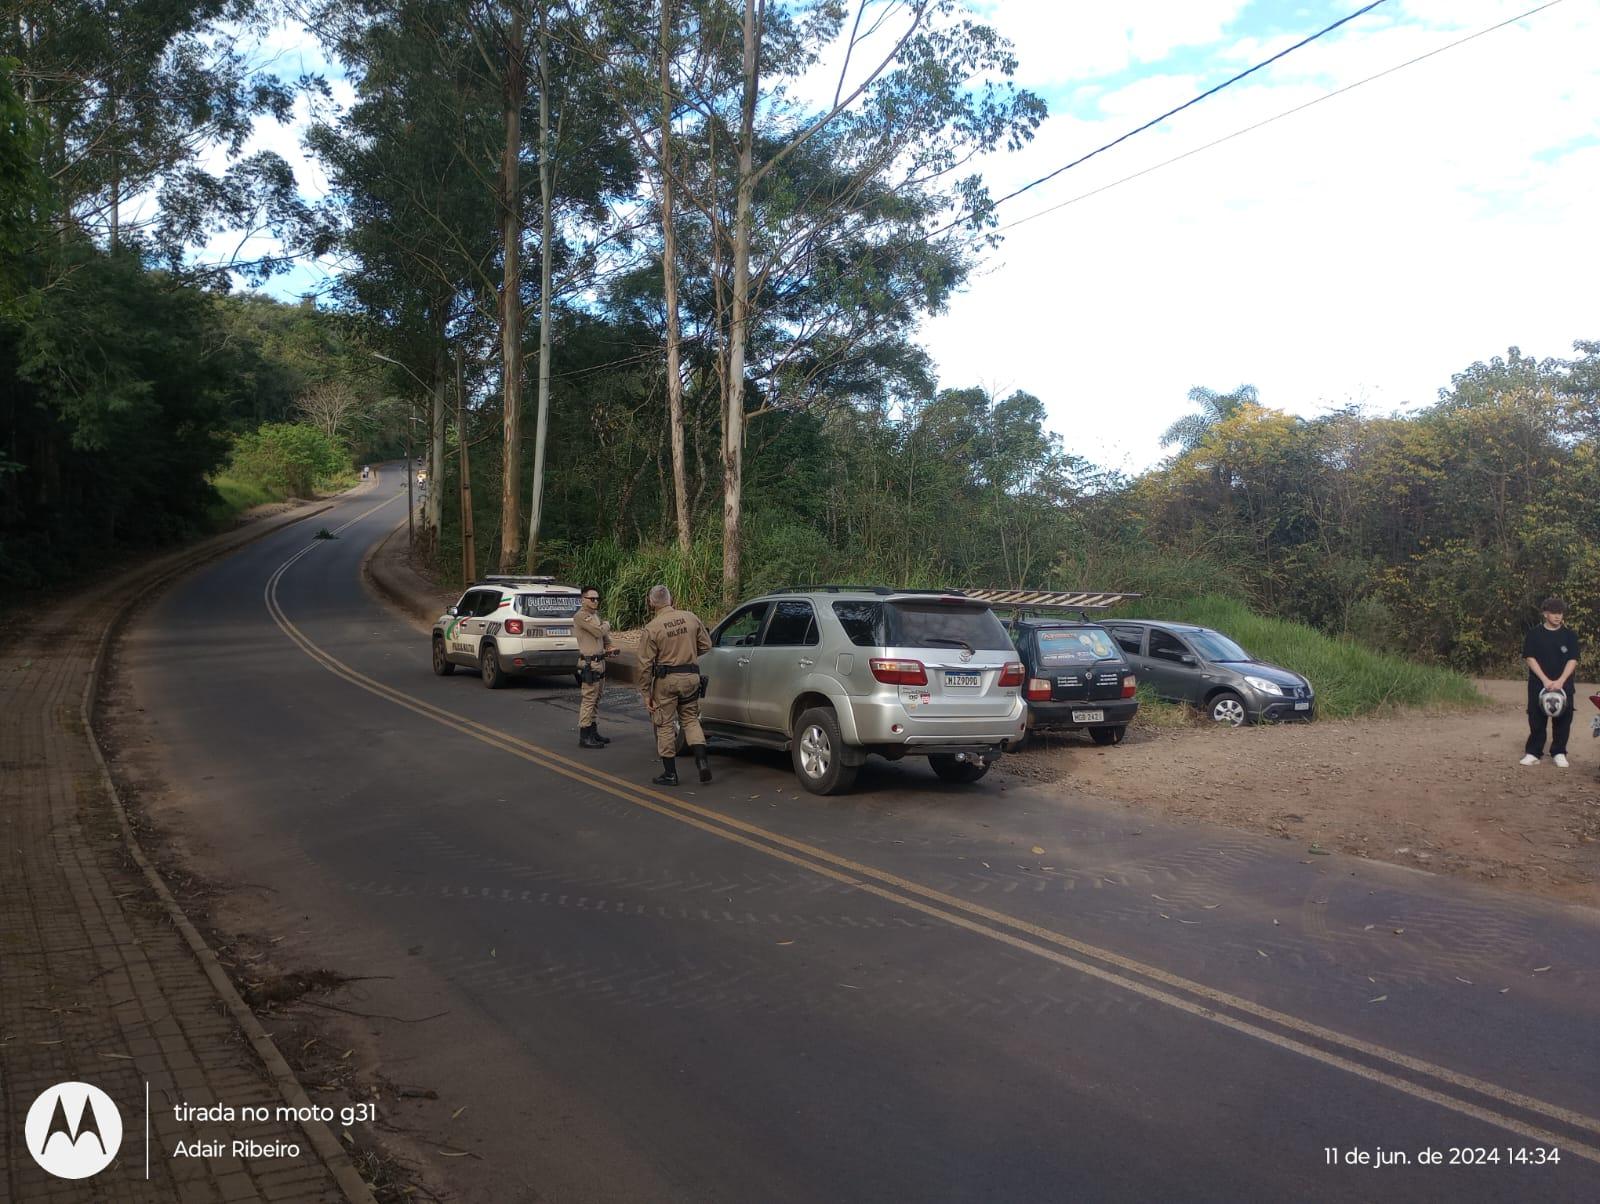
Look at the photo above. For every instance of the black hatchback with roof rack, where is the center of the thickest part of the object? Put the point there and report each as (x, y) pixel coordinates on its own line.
(1077, 678)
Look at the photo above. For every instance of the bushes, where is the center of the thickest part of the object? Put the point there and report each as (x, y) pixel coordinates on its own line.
(287, 459)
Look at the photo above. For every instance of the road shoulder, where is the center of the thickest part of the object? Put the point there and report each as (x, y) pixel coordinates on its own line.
(105, 981)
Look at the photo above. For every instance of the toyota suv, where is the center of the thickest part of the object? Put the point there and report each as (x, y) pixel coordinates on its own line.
(833, 674)
(507, 627)
(1206, 669)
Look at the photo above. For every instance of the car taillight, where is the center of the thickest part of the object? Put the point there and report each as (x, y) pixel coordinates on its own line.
(1130, 685)
(899, 673)
(513, 626)
(1038, 689)
(1011, 675)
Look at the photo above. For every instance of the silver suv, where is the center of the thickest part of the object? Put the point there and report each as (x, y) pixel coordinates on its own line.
(832, 674)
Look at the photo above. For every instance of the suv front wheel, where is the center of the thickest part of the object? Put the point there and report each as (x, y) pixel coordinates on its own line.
(817, 750)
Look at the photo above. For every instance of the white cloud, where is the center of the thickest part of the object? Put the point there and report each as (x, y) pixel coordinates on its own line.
(1363, 250)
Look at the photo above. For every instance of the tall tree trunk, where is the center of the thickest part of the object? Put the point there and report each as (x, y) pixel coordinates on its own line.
(546, 254)
(669, 286)
(511, 295)
(433, 508)
(743, 216)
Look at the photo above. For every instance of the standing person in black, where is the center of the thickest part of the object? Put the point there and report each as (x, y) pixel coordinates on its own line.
(1551, 650)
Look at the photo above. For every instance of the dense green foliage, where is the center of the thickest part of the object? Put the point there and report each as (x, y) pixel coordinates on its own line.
(1433, 534)
(287, 459)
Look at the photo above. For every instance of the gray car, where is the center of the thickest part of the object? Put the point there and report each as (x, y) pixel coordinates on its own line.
(833, 674)
(1185, 663)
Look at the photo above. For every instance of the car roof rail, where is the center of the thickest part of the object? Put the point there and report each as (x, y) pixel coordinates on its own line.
(831, 589)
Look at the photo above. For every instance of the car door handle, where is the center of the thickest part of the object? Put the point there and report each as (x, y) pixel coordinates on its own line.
(806, 662)
(742, 661)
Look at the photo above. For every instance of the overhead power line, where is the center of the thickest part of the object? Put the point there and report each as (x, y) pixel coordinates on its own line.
(1277, 116)
(1267, 62)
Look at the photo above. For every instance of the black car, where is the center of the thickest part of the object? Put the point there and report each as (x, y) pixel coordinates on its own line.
(1075, 677)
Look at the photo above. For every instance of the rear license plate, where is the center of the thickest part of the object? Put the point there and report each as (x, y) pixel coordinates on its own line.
(558, 631)
(1088, 716)
(963, 679)
(1302, 706)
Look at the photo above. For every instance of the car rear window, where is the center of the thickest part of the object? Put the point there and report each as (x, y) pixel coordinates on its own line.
(943, 625)
(548, 606)
(1076, 643)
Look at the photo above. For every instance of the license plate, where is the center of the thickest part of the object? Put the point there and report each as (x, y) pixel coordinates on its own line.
(1088, 716)
(963, 679)
(1302, 706)
(558, 631)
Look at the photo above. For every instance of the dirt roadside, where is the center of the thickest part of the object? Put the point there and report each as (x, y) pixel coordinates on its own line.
(1440, 792)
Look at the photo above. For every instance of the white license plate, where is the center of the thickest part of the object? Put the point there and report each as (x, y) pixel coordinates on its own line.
(963, 679)
(1088, 716)
(1302, 706)
(558, 631)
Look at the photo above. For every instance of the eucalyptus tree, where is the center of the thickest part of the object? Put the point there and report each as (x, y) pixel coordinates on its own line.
(921, 91)
(134, 103)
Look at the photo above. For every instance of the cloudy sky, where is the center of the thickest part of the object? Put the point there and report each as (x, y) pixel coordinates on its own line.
(1360, 251)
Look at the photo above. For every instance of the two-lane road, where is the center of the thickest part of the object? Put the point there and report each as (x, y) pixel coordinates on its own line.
(742, 992)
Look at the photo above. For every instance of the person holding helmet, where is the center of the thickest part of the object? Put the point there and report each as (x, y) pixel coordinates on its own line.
(1551, 650)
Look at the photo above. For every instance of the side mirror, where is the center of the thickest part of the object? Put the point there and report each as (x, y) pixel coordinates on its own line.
(1189, 658)
(454, 611)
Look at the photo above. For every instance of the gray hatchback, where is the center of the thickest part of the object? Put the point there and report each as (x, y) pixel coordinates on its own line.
(1185, 663)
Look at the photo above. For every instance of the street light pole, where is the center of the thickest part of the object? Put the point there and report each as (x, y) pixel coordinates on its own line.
(411, 505)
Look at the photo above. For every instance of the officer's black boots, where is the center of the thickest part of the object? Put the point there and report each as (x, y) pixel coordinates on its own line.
(594, 730)
(702, 762)
(589, 738)
(669, 773)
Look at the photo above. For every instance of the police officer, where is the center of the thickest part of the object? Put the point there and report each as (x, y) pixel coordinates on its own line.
(669, 678)
(594, 646)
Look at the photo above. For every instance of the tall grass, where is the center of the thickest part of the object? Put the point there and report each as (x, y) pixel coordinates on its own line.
(236, 495)
(1349, 678)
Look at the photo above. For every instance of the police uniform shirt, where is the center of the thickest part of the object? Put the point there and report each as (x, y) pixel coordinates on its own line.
(593, 633)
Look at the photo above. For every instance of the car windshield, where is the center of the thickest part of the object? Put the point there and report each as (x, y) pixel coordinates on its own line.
(548, 606)
(1216, 647)
(943, 625)
(1075, 643)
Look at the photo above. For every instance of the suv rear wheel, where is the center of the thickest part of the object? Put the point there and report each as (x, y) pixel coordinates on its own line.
(817, 751)
(493, 675)
(960, 772)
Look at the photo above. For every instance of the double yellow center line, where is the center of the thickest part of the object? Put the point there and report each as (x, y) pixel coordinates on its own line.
(1459, 1093)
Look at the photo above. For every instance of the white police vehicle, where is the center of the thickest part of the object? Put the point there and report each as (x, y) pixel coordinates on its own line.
(509, 627)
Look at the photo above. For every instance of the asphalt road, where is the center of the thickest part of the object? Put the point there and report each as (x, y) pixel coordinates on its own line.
(742, 992)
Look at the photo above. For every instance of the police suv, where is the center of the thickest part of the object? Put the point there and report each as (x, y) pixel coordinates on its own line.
(509, 627)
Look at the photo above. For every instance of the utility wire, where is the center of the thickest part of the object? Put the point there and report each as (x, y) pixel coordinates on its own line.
(1276, 117)
(1193, 101)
